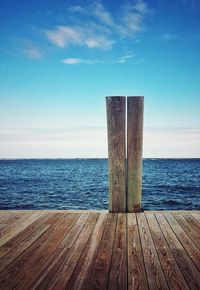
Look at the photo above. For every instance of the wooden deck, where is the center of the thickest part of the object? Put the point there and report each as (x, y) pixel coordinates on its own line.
(99, 250)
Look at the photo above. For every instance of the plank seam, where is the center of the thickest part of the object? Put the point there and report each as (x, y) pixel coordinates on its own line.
(74, 222)
(112, 252)
(142, 249)
(83, 247)
(192, 230)
(191, 262)
(183, 244)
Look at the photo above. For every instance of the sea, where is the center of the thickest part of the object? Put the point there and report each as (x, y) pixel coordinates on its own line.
(168, 184)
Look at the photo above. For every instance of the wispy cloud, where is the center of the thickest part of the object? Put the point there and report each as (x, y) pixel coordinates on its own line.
(32, 51)
(62, 36)
(97, 27)
(102, 14)
(168, 36)
(125, 58)
(72, 61)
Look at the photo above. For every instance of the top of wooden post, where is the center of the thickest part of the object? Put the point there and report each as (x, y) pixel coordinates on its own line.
(135, 97)
(110, 98)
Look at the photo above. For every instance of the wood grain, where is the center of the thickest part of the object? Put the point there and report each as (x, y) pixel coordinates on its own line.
(116, 153)
(135, 108)
(170, 268)
(187, 267)
(155, 276)
(88, 250)
(136, 270)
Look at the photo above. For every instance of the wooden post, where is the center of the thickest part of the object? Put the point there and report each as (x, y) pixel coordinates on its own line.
(135, 108)
(116, 113)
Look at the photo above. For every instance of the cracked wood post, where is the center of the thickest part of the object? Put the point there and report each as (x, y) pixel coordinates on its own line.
(135, 108)
(116, 118)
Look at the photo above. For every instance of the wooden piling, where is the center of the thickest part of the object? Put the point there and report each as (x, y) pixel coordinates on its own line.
(116, 113)
(135, 108)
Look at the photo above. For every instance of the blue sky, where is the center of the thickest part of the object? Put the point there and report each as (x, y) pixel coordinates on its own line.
(59, 59)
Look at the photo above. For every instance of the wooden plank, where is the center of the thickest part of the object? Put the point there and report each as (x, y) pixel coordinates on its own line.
(192, 221)
(171, 271)
(188, 269)
(8, 218)
(70, 238)
(116, 153)
(100, 272)
(16, 227)
(186, 242)
(188, 229)
(135, 108)
(196, 215)
(81, 274)
(20, 248)
(25, 268)
(17, 241)
(65, 271)
(60, 254)
(155, 276)
(118, 267)
(12, 224)
(92, 250)
(136, 270)
(93, 217)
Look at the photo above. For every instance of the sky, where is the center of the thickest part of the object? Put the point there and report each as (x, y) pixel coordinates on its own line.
(59, 59)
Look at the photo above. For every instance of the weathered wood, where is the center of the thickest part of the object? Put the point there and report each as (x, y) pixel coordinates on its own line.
(187, 243)
(90, 250)
(136, 270)
(170, 268)
(17, 245)
(18, 226)
(192, 221)
(62, 253)
(135, 108)
(155, 276)
(27, 266)
(116, 153)
(188, 269)
(100, 273)
(65, 271)
(189, 230)
(118, 268)
(82, 273)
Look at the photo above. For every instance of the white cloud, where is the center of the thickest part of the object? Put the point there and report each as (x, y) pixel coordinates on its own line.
(101, 42)
(141, 7)
(102, 14)
(72, 61)
(96, 27)
(76, 9)
(132, 18)
(63, 36)
(32, 51)
(125, 58)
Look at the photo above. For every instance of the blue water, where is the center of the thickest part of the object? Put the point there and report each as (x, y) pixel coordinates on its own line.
(83, 184)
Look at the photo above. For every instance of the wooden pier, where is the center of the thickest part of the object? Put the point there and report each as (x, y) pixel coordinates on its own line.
(99, 250)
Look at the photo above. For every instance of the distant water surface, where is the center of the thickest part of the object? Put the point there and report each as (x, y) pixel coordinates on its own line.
(83, 184)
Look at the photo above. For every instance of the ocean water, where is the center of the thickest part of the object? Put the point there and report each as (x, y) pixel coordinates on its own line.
(168, 184)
